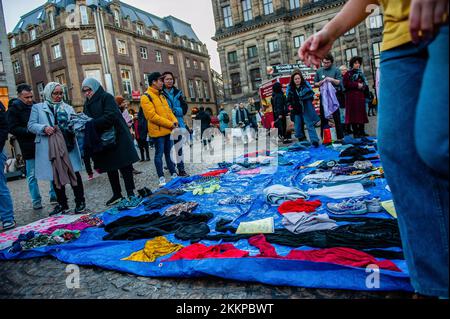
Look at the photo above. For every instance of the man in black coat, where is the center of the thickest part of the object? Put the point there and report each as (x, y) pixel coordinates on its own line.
(19, 111)
(6, 206)
(205, 120)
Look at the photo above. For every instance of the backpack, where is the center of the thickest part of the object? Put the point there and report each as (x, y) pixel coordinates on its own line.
(226, 118)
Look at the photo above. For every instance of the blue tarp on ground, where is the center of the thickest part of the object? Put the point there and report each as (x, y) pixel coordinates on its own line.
(90, 249)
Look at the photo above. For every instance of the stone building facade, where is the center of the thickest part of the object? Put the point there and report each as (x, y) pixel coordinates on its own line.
(7, 85)
(255, 34)
(59, 41)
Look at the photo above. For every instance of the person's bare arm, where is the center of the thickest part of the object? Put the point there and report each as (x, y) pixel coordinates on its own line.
(319, 44)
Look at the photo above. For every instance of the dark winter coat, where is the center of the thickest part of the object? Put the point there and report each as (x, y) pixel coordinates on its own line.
(355, 100)
(205, 120)
(279, 105)
(104, 111)
(18, 117)
(142, 126)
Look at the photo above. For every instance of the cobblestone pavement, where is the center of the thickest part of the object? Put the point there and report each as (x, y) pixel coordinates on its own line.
(46, 277)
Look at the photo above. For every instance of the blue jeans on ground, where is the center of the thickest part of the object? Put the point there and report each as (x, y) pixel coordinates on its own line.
(33, 184)
(413, 143)
(163, 145)
(311, 118)
(6, 205)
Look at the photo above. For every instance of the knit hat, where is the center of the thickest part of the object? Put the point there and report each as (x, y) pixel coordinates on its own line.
(119, 100)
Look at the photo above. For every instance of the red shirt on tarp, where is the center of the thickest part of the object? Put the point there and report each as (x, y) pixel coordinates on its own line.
(215, 173)
(200, 251)
(299, 205)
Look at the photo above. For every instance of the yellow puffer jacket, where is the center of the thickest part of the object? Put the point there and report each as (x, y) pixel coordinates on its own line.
(159, 116)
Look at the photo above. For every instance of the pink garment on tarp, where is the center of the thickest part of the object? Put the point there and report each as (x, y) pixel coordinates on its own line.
(341, 256)
(299, 205)
(200, 251)
(258, 153)
(329, 100)
(80, 224)
(266, 249)
(250, 171)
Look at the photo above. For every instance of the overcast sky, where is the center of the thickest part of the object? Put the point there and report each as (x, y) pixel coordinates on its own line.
(198, 13)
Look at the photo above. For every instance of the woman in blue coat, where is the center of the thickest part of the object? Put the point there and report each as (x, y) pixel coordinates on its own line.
(44, 117)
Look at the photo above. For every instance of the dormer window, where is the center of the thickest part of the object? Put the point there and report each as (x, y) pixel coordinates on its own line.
(33, 34)
(155, 34)
(51, 19)
(84, 15)
(140, 29)
(12, 42)
(168, 39)
(116, 18)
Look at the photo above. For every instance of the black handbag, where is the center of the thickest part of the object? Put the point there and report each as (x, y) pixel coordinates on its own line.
(108, 138)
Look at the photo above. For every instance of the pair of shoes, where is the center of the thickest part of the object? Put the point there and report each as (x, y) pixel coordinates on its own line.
(374, 205)
(9, 225)
(59, 210)
(144, 192)
(53, 201)
(80, 208)
(183, 174)
(174, 175)
(162, 181)
(37, 206)
(355, 206)
(132, 202)
(90, 177)
(114, 200)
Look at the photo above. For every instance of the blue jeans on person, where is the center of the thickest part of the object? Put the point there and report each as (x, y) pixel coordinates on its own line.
(413, 140)
(311, 118)
(163, 145)
(33, 184)
(6, 205)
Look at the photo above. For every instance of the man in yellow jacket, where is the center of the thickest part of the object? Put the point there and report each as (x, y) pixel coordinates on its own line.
(161, 122)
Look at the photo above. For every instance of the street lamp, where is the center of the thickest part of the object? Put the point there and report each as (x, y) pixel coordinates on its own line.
(100, 29)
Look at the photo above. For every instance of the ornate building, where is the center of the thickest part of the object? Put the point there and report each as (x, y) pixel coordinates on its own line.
(7, 87)
(68, 40)
(255, 34)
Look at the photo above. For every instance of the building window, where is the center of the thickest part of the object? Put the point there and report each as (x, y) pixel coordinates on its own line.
(171, 59)
(168, 39)
(294, 4)
(56, 51)
(146, 82)
(121, 47)
(191, 89)
(349, 32)
(116, 18)
(232, 57)
(195, 64)
(94, 73)
(252, 52)
(268, 7)
(202, 65)
(33, 34)
(12, 42)
(298, 41)
(376, 22)
(199, 48)
(84, 15)
(16, 65)
(273, 46)
(255, 77)
(37, 60)
(140, 29)
(205, 88)
(227, 17)
(350, 53)
(376, 53)
(51, 19)
(155, 34)
(183, 43)
(2, 67)
(188, 63)
(144, 53)
(88, 45)
(126, 81)
(198, 85)
(236, 83)
(40, 88)
(158, 56)
(247, 9)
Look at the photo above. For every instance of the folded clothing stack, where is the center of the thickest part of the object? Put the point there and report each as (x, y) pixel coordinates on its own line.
(278, 194)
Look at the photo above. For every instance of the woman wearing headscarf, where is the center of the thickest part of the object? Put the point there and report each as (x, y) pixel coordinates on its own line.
(46, 120)
(355, 99)
(120, 156)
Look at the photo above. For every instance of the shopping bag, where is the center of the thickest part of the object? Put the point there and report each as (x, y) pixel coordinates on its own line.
(237, 132)
(327, 136)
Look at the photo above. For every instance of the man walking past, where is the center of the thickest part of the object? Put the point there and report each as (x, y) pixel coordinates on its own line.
(19, 111)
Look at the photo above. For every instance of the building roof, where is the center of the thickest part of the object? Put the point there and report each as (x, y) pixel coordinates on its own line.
(167, 24)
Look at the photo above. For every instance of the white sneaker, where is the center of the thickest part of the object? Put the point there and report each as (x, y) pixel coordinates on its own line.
(174, 175)
(374, 205)
(162, 181)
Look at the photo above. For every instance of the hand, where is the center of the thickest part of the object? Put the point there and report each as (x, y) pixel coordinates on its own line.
(360, 86)
(280, 117)
(49, 130)
(315, 48)
(425, 16)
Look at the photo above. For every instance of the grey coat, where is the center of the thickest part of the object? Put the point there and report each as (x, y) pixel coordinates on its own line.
(37, 123)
